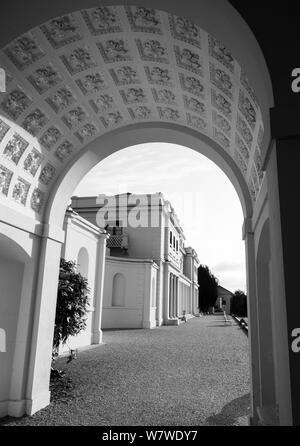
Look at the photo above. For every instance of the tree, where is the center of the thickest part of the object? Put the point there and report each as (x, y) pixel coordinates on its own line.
(208, 288)
(238, 304)
(72, 304)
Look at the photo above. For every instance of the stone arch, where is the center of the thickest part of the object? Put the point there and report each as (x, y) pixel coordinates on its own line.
(112, 68)
(236, 35)
(203, 75)
(118, 290)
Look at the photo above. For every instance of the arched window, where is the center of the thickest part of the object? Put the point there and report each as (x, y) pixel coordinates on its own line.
(118, 290)
(83, 262)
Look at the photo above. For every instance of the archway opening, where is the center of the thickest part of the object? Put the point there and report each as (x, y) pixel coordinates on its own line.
(15, 273)
(101, 94)
(202, 196)
(161, 167)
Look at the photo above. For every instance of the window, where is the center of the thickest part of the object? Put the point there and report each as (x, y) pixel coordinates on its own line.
(118, 290)
(171, 238)
(177, 245)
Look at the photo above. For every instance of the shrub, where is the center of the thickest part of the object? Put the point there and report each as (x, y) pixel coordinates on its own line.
(72, 304)
(238, 304)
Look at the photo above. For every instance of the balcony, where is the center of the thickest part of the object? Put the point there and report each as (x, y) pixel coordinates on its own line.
(118, 241)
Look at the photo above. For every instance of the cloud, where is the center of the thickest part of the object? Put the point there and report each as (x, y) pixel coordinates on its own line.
(210, 213)
(229, 266)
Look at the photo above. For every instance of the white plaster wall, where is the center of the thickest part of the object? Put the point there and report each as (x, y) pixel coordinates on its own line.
(195, 299)
(155, 290)
(226, 296)
(78, 237)
(144, 243)
(138, 277)
(188, 266)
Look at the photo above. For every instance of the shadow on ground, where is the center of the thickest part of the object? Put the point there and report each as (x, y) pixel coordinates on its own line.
(231, 412)
(222, 325)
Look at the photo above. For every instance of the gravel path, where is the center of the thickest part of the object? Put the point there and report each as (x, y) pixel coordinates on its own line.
(194, 374)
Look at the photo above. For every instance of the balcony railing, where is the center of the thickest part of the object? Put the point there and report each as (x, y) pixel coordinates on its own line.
(118, 241)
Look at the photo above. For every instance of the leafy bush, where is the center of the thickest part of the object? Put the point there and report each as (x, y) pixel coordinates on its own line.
(238, 304)
(72, 304)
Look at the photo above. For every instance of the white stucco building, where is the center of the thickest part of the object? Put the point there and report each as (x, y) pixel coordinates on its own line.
(150, 276)
(224, 298)
(85, 244)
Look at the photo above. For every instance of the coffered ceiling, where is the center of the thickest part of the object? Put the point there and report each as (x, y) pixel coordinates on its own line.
(81, 75)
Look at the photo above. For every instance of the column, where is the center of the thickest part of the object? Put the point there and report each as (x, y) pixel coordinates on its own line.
(177, 297)
(166, 293)
(160, 293)
(99, 286)
(37, 393)
(288, 157)
(253, 336)
(285, 243)
(266, 358)
(283, 187)
(170, 296)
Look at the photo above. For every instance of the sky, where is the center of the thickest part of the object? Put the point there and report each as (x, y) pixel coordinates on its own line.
(203, 198)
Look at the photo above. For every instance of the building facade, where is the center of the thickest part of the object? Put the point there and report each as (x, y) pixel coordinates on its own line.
(150, 276)
(85, 244)
(223, 300)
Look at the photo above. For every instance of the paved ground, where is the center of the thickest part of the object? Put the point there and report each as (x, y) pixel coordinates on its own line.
(194, 374)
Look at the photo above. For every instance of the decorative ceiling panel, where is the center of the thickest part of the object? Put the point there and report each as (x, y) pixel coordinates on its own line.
(83, 74)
